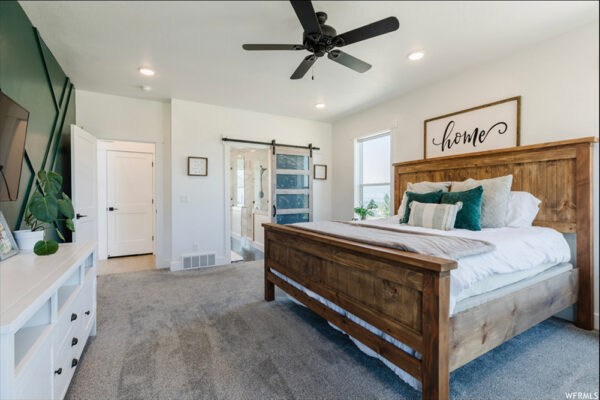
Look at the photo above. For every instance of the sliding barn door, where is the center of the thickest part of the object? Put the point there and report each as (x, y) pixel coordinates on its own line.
(292, 182)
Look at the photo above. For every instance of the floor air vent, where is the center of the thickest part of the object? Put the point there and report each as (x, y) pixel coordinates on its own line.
(191, 261)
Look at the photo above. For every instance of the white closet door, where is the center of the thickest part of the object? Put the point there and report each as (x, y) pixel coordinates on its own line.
(292, 183)
(130, 203)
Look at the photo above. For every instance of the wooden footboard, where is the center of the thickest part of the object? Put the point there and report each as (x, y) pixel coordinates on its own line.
(403, 294)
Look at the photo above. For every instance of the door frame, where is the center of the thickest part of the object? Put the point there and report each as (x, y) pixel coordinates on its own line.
(227, 146)
(117, 145)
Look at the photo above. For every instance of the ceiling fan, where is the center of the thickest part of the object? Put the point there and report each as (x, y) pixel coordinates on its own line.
(321, 39)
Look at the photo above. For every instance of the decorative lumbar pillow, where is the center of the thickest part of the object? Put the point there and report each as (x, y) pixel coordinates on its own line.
(434, 216)
(522, 209)
(431, 197)
(496, 193)
(421, 187)
(469, 216)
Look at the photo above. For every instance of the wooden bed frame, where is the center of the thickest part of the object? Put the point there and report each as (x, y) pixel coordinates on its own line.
(406, 294)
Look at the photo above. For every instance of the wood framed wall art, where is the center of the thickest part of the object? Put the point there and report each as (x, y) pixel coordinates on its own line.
(490, 126)
(197, 166)
(320, 172)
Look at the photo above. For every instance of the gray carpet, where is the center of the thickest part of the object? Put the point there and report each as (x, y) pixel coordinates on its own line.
(208, 334)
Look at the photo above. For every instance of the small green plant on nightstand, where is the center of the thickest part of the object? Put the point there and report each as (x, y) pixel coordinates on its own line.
(49, 206)
(363, 211)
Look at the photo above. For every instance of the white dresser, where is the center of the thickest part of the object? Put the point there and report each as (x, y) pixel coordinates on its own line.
(47, 313)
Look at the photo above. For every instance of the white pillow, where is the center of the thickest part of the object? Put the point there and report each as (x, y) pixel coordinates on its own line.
(434, 216)
(421, 187)
(496, 192)
(522, 209)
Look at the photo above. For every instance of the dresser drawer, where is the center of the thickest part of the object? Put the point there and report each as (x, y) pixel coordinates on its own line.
(66, 323)
(86, 303)
(63, 365)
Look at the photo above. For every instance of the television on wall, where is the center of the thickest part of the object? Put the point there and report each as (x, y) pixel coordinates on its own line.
(13, 128)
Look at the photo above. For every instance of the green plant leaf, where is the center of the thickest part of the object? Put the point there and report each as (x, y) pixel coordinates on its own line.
(70, 225)
(65, 206)
(51, 182)
(45, 247)
(60, 235)
(43, 208)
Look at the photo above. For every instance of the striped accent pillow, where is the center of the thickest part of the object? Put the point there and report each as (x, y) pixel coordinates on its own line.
(435, 216)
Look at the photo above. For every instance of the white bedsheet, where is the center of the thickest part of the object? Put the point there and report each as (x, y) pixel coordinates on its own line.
(517, 249)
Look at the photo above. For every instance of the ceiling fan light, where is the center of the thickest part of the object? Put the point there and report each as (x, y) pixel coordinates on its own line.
(320, 106)
(416, 55)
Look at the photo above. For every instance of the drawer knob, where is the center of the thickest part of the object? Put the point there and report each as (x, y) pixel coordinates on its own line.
(87, 312)
(74, 363)
(73, 317)
(58, 371)
(74, 341)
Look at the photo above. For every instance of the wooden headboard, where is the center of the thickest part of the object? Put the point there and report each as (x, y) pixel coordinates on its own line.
(558, 173)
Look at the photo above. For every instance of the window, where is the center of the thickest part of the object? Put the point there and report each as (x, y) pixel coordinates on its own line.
(374, 173)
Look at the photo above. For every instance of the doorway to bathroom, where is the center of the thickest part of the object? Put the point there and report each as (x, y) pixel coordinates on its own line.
(250, 200)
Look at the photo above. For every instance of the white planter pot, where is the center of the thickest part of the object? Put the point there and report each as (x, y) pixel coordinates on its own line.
(26, 239)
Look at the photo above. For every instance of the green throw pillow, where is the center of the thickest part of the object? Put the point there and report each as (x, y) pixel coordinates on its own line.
(431, 197)
(469, 216)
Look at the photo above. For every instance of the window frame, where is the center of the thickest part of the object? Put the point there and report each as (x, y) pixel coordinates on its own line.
(360, 185)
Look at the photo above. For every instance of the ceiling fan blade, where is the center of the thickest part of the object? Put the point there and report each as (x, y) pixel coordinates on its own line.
(348, 61)
(381, 27)
(306, 14)
(272, 47)
(304, 67)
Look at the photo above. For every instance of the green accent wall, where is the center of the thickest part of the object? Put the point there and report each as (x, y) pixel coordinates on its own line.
(30, 75)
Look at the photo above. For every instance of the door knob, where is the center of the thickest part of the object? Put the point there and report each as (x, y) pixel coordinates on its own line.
(73, 317)
(73, 363)
(74, 341)
(80, 216)
(58, 371)
(112, 209)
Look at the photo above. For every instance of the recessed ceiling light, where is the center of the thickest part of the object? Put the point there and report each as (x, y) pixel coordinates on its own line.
(146, 71)
(416, 55)
(146, 88)
(320, 105)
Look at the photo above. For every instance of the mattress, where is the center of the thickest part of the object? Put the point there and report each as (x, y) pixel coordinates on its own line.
(516, 250)
(486, 290)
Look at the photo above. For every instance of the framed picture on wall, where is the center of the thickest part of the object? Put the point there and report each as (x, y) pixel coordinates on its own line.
(8, 246)
(320, 171)
(487, 127)
(197, 166)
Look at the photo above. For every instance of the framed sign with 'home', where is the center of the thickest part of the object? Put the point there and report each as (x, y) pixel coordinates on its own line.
(488, 127)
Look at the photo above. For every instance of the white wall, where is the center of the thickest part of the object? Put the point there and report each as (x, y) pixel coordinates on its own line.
(123, 118)
(199, 202)
(558, 82)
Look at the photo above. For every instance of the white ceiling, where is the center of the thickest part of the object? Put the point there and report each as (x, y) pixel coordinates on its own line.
(195, 48)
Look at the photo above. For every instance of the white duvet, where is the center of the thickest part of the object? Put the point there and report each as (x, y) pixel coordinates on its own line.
(517, 249)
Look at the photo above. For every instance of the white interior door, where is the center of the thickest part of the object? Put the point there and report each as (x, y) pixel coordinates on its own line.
(292, 183)
(130, 203)
(84, 175)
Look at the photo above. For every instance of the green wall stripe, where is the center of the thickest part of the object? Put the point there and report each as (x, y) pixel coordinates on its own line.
(60, 129)
(39, 44)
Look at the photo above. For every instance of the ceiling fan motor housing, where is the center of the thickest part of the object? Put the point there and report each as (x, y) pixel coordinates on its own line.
(320, 44)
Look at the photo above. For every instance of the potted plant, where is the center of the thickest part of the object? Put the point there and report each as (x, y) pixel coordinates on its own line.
(47, 207)
(363, 211)
(27, 238)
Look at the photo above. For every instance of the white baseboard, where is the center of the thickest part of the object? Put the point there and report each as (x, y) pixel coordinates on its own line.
(258, 246)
